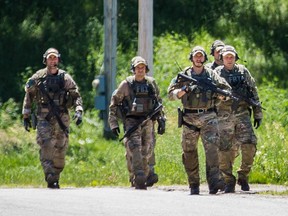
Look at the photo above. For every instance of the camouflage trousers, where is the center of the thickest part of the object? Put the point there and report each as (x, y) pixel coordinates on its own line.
(53, 145)
(208, 125)
(151, 157)
(137, 147)
(236, 136)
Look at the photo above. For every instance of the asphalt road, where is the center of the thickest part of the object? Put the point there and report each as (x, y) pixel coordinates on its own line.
(160, 201)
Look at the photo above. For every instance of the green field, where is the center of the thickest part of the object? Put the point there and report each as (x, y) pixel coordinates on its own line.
(94, 161)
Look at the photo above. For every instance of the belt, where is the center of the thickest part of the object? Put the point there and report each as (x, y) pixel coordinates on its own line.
(136, 117)
(199, 110)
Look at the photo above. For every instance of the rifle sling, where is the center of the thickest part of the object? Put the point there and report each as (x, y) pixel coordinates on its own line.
(148, 117)
(53, 106)
(192, 127)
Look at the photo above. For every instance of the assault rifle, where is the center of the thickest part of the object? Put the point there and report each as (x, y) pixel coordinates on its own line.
(53, 108)
(147, 118)
(207, 83)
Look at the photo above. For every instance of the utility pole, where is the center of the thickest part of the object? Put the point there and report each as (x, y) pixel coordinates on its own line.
(105, 83)
(110, 44)
(145, 32)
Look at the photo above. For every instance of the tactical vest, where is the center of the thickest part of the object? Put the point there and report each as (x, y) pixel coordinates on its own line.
(142, 99)
(237, 80)
(199, 98)
(54, 86)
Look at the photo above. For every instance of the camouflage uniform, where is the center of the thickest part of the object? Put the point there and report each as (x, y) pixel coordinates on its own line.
(135, 100)
(152, 176)
(51, 138)
(199, 120)
(236, 131)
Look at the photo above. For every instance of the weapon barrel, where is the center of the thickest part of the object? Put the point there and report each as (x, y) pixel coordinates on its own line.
(148, 117)
(207, 85)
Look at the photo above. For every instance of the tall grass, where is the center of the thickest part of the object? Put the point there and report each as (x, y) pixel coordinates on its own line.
(94, 161)
(271, 159)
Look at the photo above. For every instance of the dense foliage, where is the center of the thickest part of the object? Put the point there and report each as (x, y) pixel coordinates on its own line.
(29, 27)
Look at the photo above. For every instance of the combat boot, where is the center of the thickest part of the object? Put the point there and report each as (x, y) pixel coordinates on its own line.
(194, 189)
(244, 184)
(53, 185)
(140, 181)
(229, 188)
(151, 179)
(216, 185)
(52, 181)
(131, 180)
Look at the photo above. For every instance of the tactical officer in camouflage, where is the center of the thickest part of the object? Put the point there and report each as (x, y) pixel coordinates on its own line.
(236, 131)
(199, 120)
(53, 91)
(215, 49)
(136, 96)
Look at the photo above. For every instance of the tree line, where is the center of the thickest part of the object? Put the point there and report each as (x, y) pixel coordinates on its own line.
(28, 28)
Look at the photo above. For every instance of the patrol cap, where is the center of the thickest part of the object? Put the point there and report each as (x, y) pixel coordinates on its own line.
(219, 48)
(217, 45)
(198, 49)
(228, 50)
(138, 60)
(52, 51)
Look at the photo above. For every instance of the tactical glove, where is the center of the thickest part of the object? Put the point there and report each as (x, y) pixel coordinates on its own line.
(191, 88)
(78, 117)
(161, 125)
(27, 124)
(188, 88)
(116, 131)
(257, 123)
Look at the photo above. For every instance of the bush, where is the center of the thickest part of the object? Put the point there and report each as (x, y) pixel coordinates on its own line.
(9, 112)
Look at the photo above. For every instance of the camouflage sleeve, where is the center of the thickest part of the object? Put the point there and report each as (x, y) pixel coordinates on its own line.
(116, 100)
(31, 84)
(257, 111)
(173, 89)
(27, 104)
(30, 92)
(72, 88)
